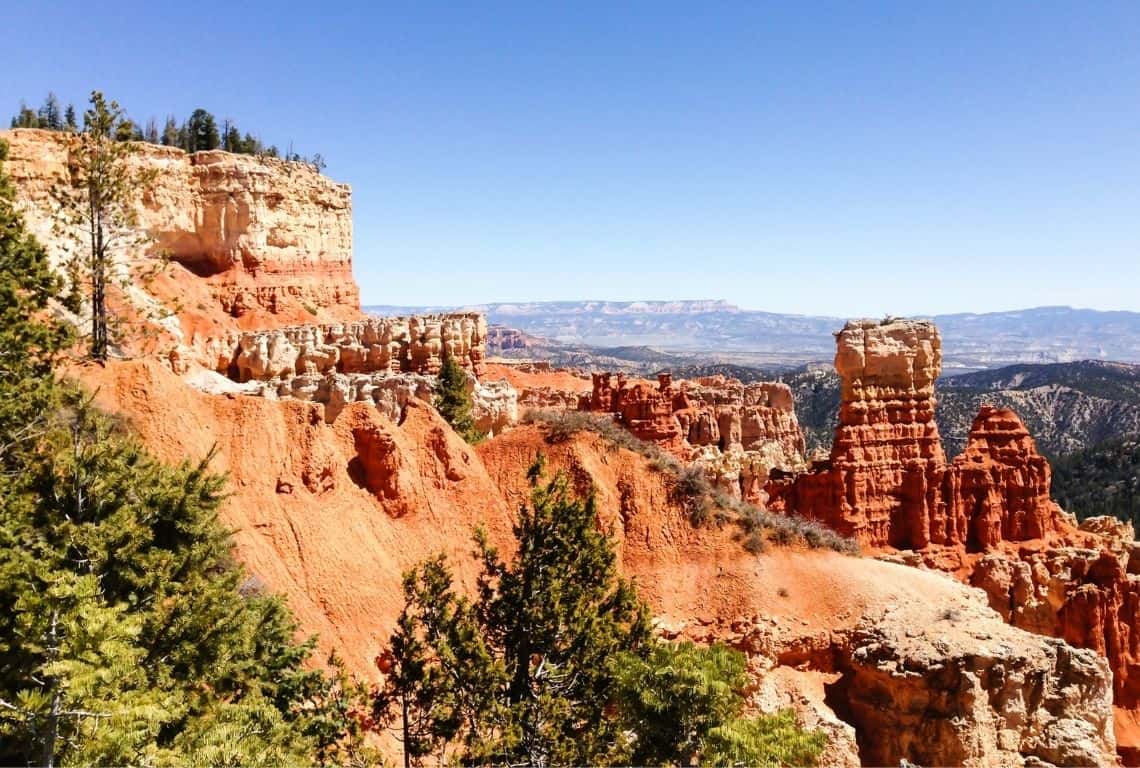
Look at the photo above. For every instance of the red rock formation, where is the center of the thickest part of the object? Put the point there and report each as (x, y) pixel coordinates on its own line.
(645, 411)
(999, 486)
(888, 483)
(712, 411)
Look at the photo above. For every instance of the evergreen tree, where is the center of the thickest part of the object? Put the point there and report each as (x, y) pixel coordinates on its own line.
(201, 132)
(170, 132)
(98, 209)
(29, 341)
(233, 140)
(250, 145)
(522, 675)
(69, 118)
(453, 401)
(126, 130)
(150, 135)
(684, 704)
(50, 116)
(26, 118)
(440, 674)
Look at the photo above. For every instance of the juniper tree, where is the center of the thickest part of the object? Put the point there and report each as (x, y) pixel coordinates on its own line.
(453, 401)
(684, 704)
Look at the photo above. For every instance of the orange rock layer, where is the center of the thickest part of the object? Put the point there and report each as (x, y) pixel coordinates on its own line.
(712, 411)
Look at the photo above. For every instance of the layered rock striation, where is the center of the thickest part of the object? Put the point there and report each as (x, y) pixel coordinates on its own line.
(267, 236)
(737, 433)
(414, 344)
(887, 481)
(385, 361)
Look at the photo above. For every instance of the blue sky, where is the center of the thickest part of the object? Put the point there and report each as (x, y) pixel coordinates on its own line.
(819, 158)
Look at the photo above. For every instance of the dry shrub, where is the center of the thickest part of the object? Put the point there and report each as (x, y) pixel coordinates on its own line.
(705, 504)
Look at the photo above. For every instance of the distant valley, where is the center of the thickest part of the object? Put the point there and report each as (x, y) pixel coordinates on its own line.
(717, 330)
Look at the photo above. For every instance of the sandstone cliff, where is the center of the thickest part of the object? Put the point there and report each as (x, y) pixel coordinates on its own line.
(737, 433)
(254, 241)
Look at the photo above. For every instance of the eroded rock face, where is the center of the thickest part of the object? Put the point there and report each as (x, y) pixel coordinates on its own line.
(415, 344)
(1084, 595)
(736, 432)
(999, 485)
(963, 690)
(887, 482)
(266, 234)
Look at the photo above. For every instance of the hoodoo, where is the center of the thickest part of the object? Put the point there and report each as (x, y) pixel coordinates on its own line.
(888, 482)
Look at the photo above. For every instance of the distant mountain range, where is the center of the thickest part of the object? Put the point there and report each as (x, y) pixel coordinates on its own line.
(717, 330)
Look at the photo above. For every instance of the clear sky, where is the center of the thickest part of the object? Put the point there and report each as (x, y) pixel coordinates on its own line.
(843, 159)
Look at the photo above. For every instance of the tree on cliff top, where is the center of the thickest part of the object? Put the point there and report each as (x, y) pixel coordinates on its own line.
(453, 401)
(97, 214)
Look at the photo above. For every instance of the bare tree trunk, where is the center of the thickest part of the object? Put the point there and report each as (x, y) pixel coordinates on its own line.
(404, 706)
(99, 296)
(47, 757)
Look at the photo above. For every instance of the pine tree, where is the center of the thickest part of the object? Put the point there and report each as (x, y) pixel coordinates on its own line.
(150, 135)
(170, 132)
(440, 674)
(233, 140)
(69, 118)
(26, 118)
(201, 132)
(522, 675)
(453, 401)
(49, 115)
(97, 215)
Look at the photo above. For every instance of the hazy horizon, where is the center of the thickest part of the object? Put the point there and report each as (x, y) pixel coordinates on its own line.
(1008, 310)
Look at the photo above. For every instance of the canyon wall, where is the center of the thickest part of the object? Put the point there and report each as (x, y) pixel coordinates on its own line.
(270, 240)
